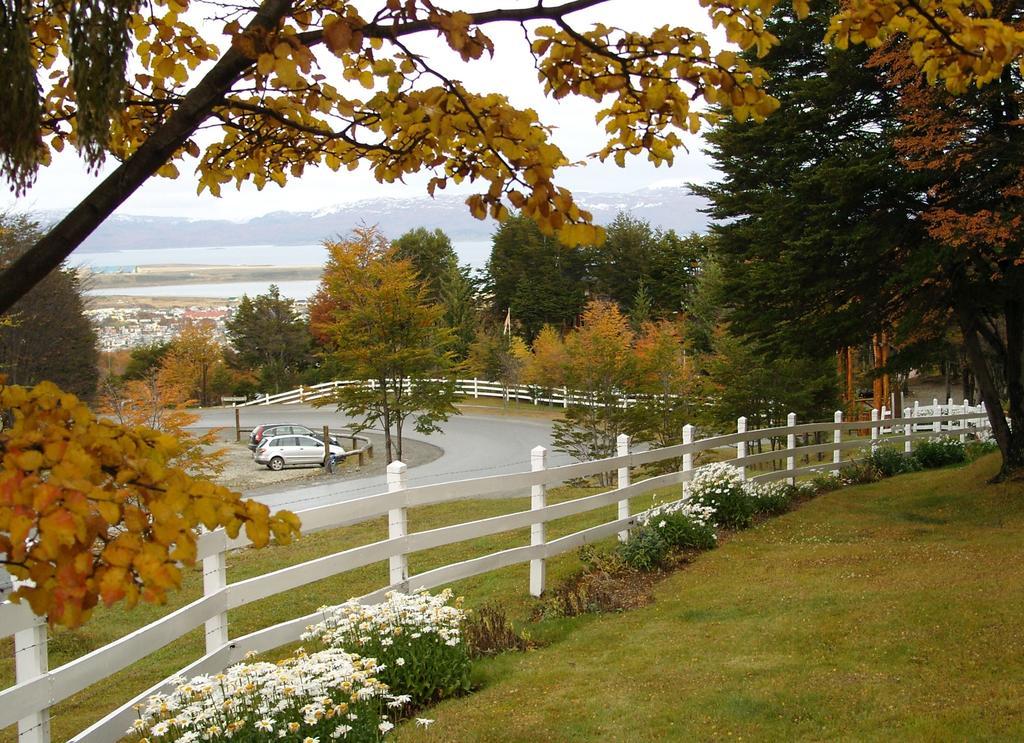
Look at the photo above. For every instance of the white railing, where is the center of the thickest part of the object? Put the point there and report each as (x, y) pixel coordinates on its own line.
(27, 703)
(476, 388)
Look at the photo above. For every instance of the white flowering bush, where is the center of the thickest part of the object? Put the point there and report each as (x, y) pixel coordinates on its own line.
(416, 638)
(681, 524)
(721, 487)
(939, 451)
(771, 497)
(315, 698)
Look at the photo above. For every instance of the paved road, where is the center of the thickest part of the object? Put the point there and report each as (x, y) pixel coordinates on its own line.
(474, 446)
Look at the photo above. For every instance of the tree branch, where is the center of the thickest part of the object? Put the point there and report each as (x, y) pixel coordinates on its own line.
(58, 243)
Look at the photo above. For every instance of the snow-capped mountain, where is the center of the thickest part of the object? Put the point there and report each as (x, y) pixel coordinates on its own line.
(672, 208)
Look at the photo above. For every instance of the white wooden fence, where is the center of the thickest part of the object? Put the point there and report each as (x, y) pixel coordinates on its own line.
(560, 396)
(37, 689)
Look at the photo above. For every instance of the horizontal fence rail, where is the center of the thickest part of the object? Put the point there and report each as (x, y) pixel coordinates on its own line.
(476, 388)
(37, 689)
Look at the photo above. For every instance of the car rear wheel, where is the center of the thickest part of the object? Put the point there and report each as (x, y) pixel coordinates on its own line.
(276, 464)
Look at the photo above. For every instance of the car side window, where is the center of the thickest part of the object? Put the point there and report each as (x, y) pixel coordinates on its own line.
(286, 441)
(307, 441)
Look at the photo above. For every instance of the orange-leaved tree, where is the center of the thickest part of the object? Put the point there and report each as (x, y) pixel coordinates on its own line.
(295, 84)
(155, 403)
(380, 327)
(545, 366)
(600, 363)
(92, 510)
(191, 362)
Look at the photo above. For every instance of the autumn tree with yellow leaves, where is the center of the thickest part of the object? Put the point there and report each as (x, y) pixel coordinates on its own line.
(92, 510)
(116, 77)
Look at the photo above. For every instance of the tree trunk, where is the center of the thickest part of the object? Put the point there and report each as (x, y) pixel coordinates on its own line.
(58, 243)
(1011, 443)
(386, 420)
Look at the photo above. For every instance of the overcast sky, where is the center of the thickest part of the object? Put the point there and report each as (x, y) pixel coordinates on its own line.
(66, 182)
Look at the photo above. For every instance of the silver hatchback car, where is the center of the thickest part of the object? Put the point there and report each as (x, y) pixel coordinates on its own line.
(278, 452)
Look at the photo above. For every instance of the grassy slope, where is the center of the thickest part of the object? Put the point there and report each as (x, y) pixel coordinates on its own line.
(889, 611)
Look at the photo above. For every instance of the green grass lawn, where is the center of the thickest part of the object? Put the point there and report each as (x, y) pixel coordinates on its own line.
(883, 612)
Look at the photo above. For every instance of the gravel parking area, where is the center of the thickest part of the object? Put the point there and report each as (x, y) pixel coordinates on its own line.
(243, 474)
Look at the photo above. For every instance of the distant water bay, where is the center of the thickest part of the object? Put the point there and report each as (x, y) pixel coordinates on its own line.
(226, 290)
(472, 252)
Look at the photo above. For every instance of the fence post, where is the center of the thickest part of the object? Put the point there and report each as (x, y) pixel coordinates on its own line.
(937, 412)
(215, 578)
(565, 397)
(837, 438)
(791, 449)
(302, 394)
(917, 414)
(398, 522)
(908, 430)
(238, 424)
(741, 446)
(476, 388)
(963, 423)
(622, 443)
(885, 412)
(538, 500)
(688, 457)
(30, 661)
(266, 399)
(874, 429)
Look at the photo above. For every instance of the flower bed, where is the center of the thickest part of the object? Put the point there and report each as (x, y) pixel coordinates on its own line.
(417, 638)
(377, 664)
(329, 695)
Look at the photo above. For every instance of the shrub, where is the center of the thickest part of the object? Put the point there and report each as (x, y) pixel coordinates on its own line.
(682, 531)
(859, 472)
(327, 695)
(890, 461)
(646, 549)
(822, 482)
(488, 631)
(939, 452)
(606, 583)
(417, 639)
(772, 497)
(976, 449)
(720, 487)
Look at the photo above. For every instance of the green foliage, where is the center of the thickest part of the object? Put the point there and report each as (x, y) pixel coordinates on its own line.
(682, 531)
(497, 357)
(539, 280)
(823, 482)
(858, 472)
(270, 338)
(457, 294)
(144, 361)
(813, 203)
(746, 381)
(46, 335)
(890, 461)
(431, 254)
(645, 550)
(940, 452)
(638, 263)
(977, 449)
